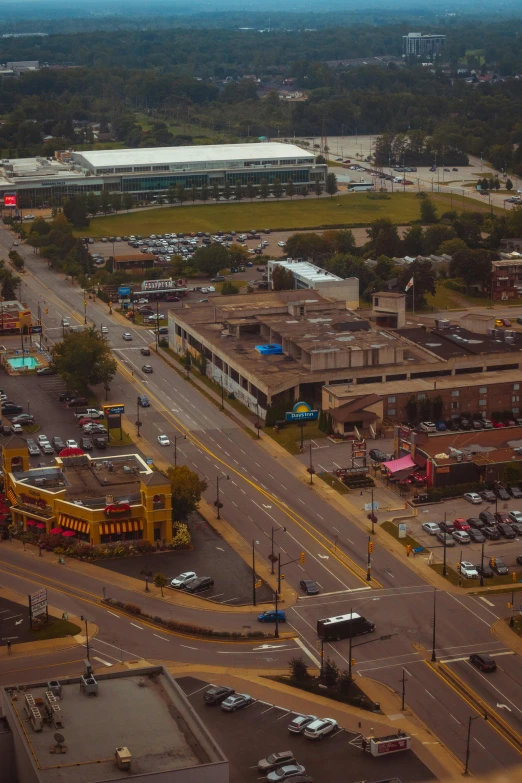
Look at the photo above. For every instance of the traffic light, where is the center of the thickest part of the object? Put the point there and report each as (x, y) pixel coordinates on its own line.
(282, 576)
(492, 562)
(408, 550)
(353, 661)
(370, 546)
(85, 302)
(47, 311)
(258, 583)
(514, 576)
(302, 557)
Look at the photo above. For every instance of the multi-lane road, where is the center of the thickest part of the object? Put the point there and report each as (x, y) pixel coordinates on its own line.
(262, 493)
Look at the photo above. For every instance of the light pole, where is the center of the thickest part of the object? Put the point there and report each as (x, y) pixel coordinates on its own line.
(482, 565)
(369, 561)
(176, 437)
(350, 651)
(403, 689)
(138, 421)
(433, 656)
(273, 558)
(84, 619)
(470, 721)
(311, 469)
(254, 602)
(218, 504)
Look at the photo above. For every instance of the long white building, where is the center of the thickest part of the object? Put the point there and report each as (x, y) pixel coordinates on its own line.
(150, 172)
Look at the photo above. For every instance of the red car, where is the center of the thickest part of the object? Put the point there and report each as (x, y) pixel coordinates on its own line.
(461, 524)
(503, 518)
(497, 424)
(87, 420)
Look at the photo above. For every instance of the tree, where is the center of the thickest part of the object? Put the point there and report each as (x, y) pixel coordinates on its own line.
(472, 266)
(344, 683)
(229, 288)
(180, 193)
(330, 673)
(161, 581)
(309, 245)
(318, 188)
(411, 409)
(93, 203)
(384, 238)
(17, 260)
(435, 235)
(509, 185)
(171, 194)
(227, 191)
(10, 283)
(282, 279)
(413, 241)
(204, 195)
(105, 202)
(304, 191)
(290, 188)
(263, 190)
(215, 191)
(75, 210)
(116, 201)
(331, 184)
(428, 213)
(187, 488)
(211, 259)
(451, 246)
(237, 254)
(298, 670)
(127, 201)
(424, 276)
(193, 193)
(84, 358)
(250, 191)
(239, 192)
(277, 188)
(345, 242)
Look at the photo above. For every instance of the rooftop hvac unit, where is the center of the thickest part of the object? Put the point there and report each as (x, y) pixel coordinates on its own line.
(509, 333)
(36, 719)
(459, 457)
(123, 758)
(469, 457)
(89, 686)
(510, 340)
(442, 323)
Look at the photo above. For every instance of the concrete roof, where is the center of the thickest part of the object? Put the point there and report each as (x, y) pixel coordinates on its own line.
(486, 446)
(457, 341)
(143, 710)
(202, 153)
(308, 271)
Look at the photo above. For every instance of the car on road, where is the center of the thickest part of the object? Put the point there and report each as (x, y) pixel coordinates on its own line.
(147, 368)
(506, 530)
(143, 401)
(300, 722)
(217, 693)
(467, 570)
(288, 772)
(483, 661)
(476, 535)
(270, 616)
(472, 497)
(515, 516)
(377, 455)
(485, 571)
(432, 528)
(320, 728)
(199, 584)
(163, 440)
(446, 539)
(498, 566)
(461, 537)
(309, 587)
(127, 336)
(515, 492)
(183, 579)
(236, 701)
(145, 351)
(33, 449)
(275, 760)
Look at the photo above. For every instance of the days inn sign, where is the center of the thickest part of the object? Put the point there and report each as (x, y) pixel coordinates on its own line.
(301, 412)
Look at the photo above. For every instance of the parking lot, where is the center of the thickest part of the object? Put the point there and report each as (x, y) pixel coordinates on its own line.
(211, 556)
(260, 729)
(14, 620)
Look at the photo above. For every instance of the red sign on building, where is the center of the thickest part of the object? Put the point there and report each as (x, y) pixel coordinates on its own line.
(10, 200)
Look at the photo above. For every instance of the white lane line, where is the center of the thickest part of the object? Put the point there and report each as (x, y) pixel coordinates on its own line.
(488, 680)
(479, 743)
(116, 647)
(486, 601)
(389, 666)
(188, 648)
(229, 599)
(469, 610)
(105, 663)
(137, 626)
(113, 614)
(429, 694)
(161, 637)
(455, 719)
(284, 714)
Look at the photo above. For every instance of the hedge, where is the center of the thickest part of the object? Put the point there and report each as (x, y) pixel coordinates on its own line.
(454, 490)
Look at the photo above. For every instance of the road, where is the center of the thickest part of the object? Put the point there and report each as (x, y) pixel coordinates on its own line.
(260, 494)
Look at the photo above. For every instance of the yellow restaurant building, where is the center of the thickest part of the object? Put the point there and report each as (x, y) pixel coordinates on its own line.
(101, 500)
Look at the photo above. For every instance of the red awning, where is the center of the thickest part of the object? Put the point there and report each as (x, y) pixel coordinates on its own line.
(399, 464)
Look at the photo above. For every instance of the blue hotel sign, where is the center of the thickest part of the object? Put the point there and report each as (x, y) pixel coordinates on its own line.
(301, 412)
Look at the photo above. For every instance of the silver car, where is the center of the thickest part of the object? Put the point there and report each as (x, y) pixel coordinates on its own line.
(33, 449)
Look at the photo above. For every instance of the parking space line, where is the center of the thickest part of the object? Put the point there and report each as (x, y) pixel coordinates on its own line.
(198, 690)
(268, 710)
(285, 714)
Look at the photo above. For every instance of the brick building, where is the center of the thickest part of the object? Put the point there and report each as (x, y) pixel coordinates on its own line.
(506, 278)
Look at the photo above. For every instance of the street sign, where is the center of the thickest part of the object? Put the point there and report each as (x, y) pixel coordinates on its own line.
(36, 329)
(38, 602)
(124, 290)
(9, 638)
(402, 530)
(301, 412)
(369, 507)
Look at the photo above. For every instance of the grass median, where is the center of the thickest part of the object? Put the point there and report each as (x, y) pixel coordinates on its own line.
(56, 629)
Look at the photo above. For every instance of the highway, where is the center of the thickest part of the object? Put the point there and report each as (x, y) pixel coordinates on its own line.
(261, 494)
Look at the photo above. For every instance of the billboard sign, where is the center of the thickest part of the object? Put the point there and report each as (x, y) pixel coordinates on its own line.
(38, 602)
(392, 744)
(124, 290)
(10, 200)
(301, 412)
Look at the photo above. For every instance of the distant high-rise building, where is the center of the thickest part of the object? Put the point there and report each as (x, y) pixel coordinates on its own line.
(420, 45)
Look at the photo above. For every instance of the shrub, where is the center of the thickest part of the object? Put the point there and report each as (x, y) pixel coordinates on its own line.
(132, 608)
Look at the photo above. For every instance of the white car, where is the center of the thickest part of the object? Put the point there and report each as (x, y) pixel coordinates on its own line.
(431, 528)
(281, 244)
(143, 301)
(163, 440)
(472, 497)
(127, 336)
(180, 581)
(515, 516)
(104, 330)
(71, 444)
(468, 570)
(320, 728)
(211, 289)
(42, 439)
(204, 290)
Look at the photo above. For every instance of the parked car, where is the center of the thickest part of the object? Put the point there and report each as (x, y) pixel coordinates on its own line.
(461, 524)
(46, 448)
(498, 566)
(320, 728)
(11, 409)
(183, 579)
(461, 537)
(94, 428)
(485, 570)
(491, 532)
(5, 430)
(377, 455)
(100, 442)
(57, 444)
(270, 616)
(46, 371)
(236, 702)
(23, 418)
(288, 772)
(476, 522)
(42, 438)
(501, 516)
(483, 661)
(299, 723)
(309, 587)
(89, 413)
(487, 517)
(33, 449)
(200, 584)
(432, 528)
(445, 538)
(517, 527)
(515, 516)
(86, 444)
(217, 693)
(468, 570)
(506, 530)
(515, 492)
(71, 444)
(476, 536)
(502, 493)
(275, 760)
(472, 497)
(488, 424)
(447, 526)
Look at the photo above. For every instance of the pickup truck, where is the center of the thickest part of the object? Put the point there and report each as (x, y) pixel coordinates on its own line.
(88, 413)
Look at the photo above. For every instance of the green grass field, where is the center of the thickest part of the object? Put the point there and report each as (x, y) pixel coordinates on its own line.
(355, 209)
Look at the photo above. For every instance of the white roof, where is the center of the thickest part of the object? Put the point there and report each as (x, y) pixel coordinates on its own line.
(307, 271)
(196, 154)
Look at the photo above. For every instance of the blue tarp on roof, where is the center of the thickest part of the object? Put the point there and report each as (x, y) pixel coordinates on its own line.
(269, 350)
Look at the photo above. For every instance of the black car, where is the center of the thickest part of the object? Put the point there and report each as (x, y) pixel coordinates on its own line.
(199, 584)
(57, 444)
(217, 693)
(86, 444)
(517, 527)
(487, 517)
(145, 351)
(502, 493)
(5, 430)
(446, 526)
(515, 492)
(147, 368)
(309, 587)
(377, 455)
(487, 495)
(519, 559)
(483, 661)
(485, 571)
(506, 530)
(476, 522)
(476, 535)
(10, 409)
(498, 566)
(491, 532)
(46, 371)
(100, 442)
(465, 424)
(143, 401)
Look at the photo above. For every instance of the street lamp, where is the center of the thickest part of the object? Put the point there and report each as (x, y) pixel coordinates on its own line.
(218, 504)
(433, 656)
(311, 469)
(84, 620)
(470, 721)
(273, 558)
(181, 437)
(138, 421)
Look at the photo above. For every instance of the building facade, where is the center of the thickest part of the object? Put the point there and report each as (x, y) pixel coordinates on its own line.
(310, 277)
(506, 277)
(149, 172)
(419, 45)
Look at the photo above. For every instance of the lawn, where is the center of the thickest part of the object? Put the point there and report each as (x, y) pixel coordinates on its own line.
(289, 437)
(355, 209)
(56, 629)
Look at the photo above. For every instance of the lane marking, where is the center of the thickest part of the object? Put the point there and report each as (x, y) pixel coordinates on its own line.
(105, 663)
(137, 626)
(113, 614)
(187, 647)
(307, 652)
(486, 601)
(161, 637)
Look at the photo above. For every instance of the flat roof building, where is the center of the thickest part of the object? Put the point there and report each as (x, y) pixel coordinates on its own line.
(108, 726)
(308, 276)
(419, 45)
(149, 172)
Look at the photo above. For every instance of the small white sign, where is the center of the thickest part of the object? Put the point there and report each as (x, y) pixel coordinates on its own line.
(402, 530)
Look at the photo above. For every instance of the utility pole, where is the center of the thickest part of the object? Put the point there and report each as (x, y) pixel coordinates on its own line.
(176, 437)
(482, 565)
(254, 602)
(138, 421)
(311, 469)
(86, 637)
(276, 633)
(350, 652)
(369, 562)
(403, 689)
(433, 656)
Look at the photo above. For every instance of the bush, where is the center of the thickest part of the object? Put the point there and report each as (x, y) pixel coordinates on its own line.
(453, 491)
(132, 608)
